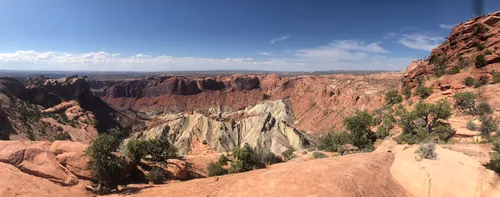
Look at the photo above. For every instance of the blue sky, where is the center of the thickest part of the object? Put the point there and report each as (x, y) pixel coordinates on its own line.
(166, 35)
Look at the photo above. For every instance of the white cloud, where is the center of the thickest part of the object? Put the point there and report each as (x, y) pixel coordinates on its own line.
(340, 54)
(444, 26)
(265, 53)
(389, 35)
(279, 39)
(420, 41)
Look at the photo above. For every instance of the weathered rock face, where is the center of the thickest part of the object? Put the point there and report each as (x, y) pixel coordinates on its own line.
(462, 46)
(434, 177)
(264, 126)
(157, 86)
(318, 103)
(37, 159)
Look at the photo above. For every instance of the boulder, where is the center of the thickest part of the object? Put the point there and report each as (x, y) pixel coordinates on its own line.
(76, 163)
(36, 159)
(59, 147)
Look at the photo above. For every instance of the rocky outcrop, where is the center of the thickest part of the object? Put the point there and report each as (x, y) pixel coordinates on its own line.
(365, 174)
(157, 86)
(451, 174)
(36, 159)
(318, 103)
(264, 126)
(477, 36)
(14, 182)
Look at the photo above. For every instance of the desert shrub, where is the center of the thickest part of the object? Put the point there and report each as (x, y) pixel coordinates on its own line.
(480, 61)
(382, 132)
(471, 126)
(469, 81)
(480, 47)
(423, 91)
(359, 125)
(484, 79)
(488, 124)
(407, 92)
(288, 154)
(107, 168)
(393, 97)
(453, 70)
(494, 163)
(439, 65)
(62, 136)
(304, 152)
(332, 141)
(222, 161)
(425, 121)
(136, 150)
(318, 155)
(462, 62)
(496, 77)
(215, 169)
(483, 108)
(427, 150)
(488, 52)
(160, 150)
(465, 101)
(156, 175)
(268, 158)
(440, 69)
(245, 159)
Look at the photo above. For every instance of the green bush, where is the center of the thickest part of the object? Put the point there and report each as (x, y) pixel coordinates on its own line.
(268, 158)
(407, 92)
(425, 121)
(332, 141)
(465, 102)
(488, 52)
(472, 126)
(427, 150)
(453, 70)
(359, 125)
(156, 175)
(480, 61)
(215, 169)
(288, 154)
(382, 132)
(496, 77)
(106, 168)
(393, 97)
(222, 161)
(494, 163)
(62, 136)
(160, 150)
(245, 159)
(423, 91)
(318, 155)
(469, 81)
(483, 108)
(488, 125)
(136, 150)
(480, 47)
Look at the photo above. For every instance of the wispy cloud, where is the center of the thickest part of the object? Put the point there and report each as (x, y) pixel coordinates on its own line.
(339, 54)
(444, 26)
(279, 39)
(420, 41)
(389, 35)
